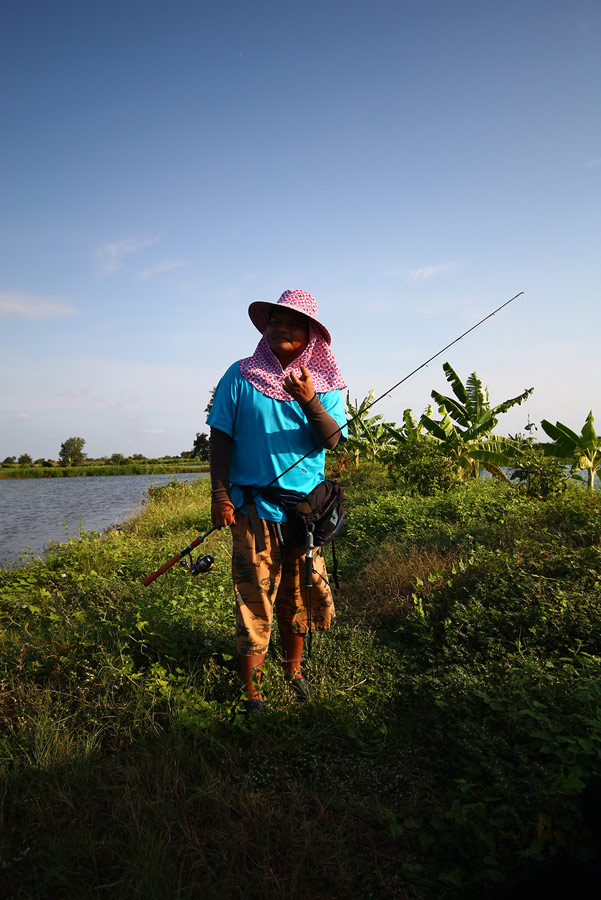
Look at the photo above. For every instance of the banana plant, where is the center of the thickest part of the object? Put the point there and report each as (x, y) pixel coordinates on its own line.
(367, 435)
(469, 448)
(583, 450)
(412, 430)
(468, 419)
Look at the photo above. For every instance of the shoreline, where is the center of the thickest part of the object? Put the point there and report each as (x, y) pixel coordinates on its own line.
(39, 512)
(99, 471)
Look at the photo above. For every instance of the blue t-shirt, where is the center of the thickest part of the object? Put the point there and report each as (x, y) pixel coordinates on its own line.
(268, 436)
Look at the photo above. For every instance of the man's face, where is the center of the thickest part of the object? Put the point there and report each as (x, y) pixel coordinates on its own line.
(287, 334)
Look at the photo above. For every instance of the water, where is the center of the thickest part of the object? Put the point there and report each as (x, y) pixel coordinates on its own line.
(34, 511)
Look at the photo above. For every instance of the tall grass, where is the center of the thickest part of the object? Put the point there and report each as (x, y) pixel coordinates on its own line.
(455, 718)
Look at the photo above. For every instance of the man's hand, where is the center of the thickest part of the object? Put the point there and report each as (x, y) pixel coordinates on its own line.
(222, 514)
(300, 388)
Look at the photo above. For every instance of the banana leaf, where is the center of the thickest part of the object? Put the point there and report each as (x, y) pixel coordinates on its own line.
(455, 382)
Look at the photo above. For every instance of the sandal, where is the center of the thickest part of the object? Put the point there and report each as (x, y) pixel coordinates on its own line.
(252, 707)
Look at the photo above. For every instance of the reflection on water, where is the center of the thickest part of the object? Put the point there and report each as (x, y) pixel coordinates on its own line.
(34, 511)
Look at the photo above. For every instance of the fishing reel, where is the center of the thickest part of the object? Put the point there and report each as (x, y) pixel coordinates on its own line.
(202, 564)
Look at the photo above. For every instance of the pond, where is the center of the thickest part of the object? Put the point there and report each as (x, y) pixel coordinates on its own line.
(35, 511)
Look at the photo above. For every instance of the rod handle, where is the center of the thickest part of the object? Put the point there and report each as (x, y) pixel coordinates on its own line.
(174, 559)
(163, 568)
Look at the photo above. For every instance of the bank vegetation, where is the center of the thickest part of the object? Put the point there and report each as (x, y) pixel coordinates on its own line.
(454, 728)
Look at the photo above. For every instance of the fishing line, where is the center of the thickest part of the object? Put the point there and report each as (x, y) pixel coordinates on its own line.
(530, 426)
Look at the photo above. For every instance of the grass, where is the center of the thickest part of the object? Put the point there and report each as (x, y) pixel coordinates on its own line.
(455, 720)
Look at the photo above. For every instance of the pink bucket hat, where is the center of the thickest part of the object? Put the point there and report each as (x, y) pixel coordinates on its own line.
(299, 301)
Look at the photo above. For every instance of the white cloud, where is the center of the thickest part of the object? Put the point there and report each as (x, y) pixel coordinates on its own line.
(17, 305)
(20, 417)
(79, 393)
(110, 256)
(85, 398)
(151, 431)
(593, 163)
(429, 271)
(166, 266)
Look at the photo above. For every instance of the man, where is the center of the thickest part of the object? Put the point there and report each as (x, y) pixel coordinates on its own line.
(269, 410)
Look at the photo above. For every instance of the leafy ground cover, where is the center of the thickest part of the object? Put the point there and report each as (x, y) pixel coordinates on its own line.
(455, 720)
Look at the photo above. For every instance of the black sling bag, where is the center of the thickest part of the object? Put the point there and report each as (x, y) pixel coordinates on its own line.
(321, 511)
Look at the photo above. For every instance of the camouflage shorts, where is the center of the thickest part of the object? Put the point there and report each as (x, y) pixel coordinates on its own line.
(274, 577)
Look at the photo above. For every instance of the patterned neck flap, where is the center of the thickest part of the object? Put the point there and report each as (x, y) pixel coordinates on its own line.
(264, 371)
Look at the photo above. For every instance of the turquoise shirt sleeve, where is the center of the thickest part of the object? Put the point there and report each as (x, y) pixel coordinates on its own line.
(225, 401)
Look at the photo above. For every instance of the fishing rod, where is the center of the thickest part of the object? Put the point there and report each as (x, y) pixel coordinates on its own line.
(204, 563)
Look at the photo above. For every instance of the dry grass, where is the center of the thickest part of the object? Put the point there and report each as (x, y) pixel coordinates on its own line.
(395, 572)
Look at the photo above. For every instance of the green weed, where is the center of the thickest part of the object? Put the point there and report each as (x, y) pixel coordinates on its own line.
(454, 723)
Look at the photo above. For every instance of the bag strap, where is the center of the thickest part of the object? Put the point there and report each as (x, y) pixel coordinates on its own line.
(255, 521)
(335, 565)
(281, 496)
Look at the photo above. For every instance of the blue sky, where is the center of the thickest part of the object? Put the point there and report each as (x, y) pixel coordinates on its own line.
(411, 165)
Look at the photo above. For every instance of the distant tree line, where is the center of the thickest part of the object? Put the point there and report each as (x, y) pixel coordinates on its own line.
(72, 453)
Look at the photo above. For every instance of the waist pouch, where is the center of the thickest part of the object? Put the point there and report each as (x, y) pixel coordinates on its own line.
(322, 510)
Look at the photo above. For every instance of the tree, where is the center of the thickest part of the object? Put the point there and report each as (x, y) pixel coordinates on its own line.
(25, 460)
(209, 405)
(71, 452)
(583, 450)
(201, 446)
(466, 425)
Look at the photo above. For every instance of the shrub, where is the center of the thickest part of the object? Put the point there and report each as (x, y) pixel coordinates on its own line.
(418, 467)
(170, 492)
(541, 476)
